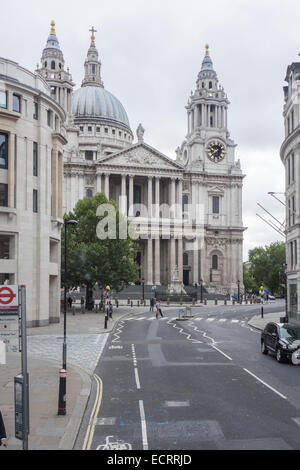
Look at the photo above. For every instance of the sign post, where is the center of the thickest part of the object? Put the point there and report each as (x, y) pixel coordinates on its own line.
(13, 337)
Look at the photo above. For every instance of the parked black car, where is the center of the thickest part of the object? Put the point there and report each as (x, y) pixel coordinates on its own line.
(279, 339)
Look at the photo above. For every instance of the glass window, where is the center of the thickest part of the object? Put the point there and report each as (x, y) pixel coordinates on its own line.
(97, 129)
(3, 99)
(5, 241)
(89, 193)
(185, 201)
(53, 64)
(35, 110)
(90, 128)
(216, 204)
(81, 128)
(185, 259)
(49, 118)
(35, 200)
(215, 262)
(17, 103)
(35, 159)
(3, 195)
(106, 130)
(89, 155)
(3, 151)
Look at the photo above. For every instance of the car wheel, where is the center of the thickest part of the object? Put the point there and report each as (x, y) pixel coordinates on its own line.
(278, 355)
(263, 348)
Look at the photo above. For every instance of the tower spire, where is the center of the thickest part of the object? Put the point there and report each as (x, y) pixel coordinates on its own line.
(206, 50)
(93, 30)
(52, 31)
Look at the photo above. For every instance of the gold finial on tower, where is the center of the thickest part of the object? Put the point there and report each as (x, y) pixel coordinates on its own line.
(93, 30)
(52, 27)
(206, 51)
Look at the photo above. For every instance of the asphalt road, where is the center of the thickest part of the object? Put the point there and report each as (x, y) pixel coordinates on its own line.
(197, 384)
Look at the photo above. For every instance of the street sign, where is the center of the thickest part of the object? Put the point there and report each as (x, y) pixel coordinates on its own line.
(9, 332)
(9, 300)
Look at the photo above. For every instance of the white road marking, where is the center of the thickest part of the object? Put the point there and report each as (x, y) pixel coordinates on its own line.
(143, 423)
(234, 321)
(210, 319)
(221, 352)
(137, 380)
(222, 319)
(264, 383)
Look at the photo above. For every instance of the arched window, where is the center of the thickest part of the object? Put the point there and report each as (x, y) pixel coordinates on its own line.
(52, 64)
(210, 85)
(185, 259)
(215, 262)
(45, 64)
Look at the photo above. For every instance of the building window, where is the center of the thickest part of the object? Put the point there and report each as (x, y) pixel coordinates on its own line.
(292, 254)
(216, 204)
(17, 103)
(120, 134)
(35, 200)
(292, 119)
(89, 128)
(49, 118)
(295, 253)
(35, 159)
(293, 210)
(3, 151)
(292, 167)
(210, 85)
(106, 130)
(89, 155)
(97, 129)
(3, 195)
(89, 193)
(35, 110)
(3, 99)
(52, 64)
(185, 259)
(215, 262)
(113, 132)
(5, 241)
(81, 128)
(289, 212)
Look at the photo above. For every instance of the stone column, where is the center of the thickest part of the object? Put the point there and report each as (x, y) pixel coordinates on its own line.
(149, 197)
(11, 170)
(123, 202)
(179, 193)
(172, 255)
(157, 197)
(157, 262)
(98, 182)
(106, 185)
(173, 198)
(195, 264)
(149, 262)
(180, 258)
(131, 211)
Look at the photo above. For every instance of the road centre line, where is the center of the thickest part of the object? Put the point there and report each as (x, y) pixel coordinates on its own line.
(221, 352)
(264, 383)
(143, 423)
(137, 380)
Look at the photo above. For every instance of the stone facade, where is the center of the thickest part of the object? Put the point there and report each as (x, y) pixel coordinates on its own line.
(31, 183)
(290, 156)
(187, 210)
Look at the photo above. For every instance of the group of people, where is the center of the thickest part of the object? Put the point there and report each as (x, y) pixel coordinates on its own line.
(158, 311)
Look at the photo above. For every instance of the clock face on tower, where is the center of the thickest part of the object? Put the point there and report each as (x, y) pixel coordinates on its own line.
(215, 151)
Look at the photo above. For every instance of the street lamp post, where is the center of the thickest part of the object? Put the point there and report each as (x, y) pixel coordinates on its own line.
(238, 283)
(201, 291)
(63, 371)
(285, 292)
(143, 284)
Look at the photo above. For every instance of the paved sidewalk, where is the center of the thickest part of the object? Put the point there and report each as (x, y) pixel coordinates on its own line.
(49, 431)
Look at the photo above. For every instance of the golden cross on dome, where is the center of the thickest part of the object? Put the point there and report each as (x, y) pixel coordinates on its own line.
(207, 51)
(93, 30)
(52, 27)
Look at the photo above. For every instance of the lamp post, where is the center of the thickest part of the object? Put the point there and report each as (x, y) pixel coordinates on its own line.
(63, 371)
(143, 284)
(285, 292)
(238, 283)
(201, 291)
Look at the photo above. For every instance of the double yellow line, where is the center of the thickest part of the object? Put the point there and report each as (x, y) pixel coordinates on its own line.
(93, 418)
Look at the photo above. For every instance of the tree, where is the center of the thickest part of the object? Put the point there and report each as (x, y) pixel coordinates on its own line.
(267, 266)
(94, 256)
(249, 280)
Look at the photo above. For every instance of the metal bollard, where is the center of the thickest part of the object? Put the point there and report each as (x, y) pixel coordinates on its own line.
(105, 322)
(225, 301)
(128, 301)
(62, 392)
(216, 302)
(205, 301)
(262, 312)
(73, 310)
(131, 304)
(138, 303)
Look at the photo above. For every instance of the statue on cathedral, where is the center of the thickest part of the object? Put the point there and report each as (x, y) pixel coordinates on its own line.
(140, 133)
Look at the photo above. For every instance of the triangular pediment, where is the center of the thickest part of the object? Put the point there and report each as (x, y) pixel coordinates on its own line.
(215, 191)
(140, 156)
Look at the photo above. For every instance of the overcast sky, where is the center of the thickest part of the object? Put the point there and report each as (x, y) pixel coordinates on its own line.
(151, 53)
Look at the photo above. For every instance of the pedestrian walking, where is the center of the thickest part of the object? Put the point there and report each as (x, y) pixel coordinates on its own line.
(110, 310)
(152, 302)
(3, 437)
(70, 301)
(158, 310)
(82, 304)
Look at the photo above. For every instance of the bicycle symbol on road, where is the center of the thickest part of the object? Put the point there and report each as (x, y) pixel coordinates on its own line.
(118, 444)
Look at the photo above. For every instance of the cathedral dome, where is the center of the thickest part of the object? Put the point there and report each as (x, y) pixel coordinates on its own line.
(96, 103)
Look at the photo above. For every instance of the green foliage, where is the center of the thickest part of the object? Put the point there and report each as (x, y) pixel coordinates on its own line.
(266, 267)
(91, 260)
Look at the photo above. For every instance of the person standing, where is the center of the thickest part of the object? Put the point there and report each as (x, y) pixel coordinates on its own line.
(158, 310)
(152, 304)
(3, 437)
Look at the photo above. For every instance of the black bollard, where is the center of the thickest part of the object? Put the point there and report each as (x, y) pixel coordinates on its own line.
(62, 392)
(262, 312)
(105, 322)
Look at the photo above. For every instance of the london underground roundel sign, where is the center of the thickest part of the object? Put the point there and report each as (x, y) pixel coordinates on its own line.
(9, 301)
